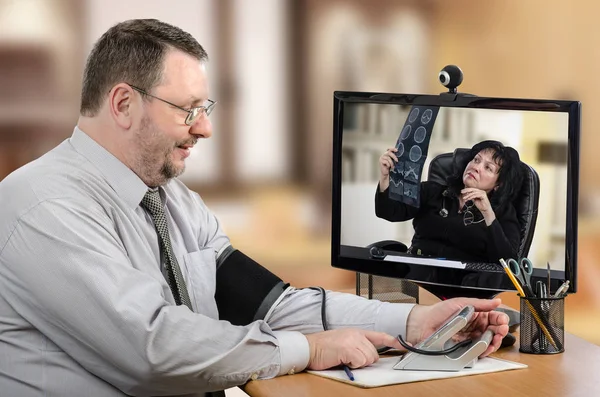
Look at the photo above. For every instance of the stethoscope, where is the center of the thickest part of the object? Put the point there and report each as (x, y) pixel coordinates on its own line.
(444, 212)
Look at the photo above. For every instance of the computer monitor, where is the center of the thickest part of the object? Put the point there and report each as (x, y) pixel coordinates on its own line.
(545, 133)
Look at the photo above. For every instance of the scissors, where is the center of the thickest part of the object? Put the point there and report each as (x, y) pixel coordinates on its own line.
(522, 272)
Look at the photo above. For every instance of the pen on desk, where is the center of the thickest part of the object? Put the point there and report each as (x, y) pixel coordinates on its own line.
(348, 373)
(534, 312)
(561, 290)
(548, 286)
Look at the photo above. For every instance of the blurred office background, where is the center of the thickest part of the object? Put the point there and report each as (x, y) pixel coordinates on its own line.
(274, 66)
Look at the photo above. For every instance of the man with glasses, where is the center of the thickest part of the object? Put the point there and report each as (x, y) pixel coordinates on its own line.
(116, 279)
(193, 113)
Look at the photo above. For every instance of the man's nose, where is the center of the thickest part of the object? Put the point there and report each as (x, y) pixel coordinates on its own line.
(202, 128)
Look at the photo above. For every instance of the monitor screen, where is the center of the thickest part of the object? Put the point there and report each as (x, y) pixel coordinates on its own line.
(439, 131)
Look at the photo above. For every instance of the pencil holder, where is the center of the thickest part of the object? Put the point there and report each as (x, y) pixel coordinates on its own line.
(542, 329)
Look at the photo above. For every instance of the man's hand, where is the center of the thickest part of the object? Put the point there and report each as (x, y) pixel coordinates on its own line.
(425, 320)
(350, 346)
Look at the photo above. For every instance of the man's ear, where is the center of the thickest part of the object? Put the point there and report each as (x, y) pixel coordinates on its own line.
(120, 104)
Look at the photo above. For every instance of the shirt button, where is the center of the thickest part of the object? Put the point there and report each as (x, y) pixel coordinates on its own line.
(292, 371)
(254, 376)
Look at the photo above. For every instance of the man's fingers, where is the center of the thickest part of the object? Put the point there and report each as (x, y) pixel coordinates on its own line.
(494, 345)
(492, 320)
(382, 339)
(350, 346)
(362, 353)
(356, 359)
(369, 348)
(501, 330)
(498, 318)
(365, 354)
(480, 305)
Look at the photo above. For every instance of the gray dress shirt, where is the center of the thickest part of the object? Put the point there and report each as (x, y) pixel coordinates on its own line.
(86, 311)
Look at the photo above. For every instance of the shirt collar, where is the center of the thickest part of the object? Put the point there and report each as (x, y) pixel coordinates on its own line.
(121, 178)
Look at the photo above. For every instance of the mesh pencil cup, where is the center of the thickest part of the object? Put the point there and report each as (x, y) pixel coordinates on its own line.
(542, 329)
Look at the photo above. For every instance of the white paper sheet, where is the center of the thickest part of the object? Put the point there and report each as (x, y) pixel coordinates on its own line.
(381, 373)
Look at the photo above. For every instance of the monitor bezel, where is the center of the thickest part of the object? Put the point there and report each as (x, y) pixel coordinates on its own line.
(362, 262)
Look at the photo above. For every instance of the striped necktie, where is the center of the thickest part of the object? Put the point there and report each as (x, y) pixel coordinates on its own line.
(153, 203)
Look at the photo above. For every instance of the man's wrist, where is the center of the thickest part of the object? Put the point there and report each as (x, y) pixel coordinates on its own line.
(414, 324)
(294, 351)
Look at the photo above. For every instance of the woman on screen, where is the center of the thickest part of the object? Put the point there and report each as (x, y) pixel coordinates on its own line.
(470, 219)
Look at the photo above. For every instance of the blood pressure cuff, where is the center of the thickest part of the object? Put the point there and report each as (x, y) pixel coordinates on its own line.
(245, 290)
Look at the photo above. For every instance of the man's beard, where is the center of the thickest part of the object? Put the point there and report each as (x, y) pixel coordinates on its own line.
(150, 168)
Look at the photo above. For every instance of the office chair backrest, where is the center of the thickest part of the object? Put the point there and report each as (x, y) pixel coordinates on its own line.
(526, 203)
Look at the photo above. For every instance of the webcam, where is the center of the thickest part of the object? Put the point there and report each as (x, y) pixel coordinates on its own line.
(451, 76)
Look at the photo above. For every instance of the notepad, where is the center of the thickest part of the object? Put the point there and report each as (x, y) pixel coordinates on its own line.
(382, 374)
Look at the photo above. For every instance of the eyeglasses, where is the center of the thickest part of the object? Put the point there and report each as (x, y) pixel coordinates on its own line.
(468, 215)
(193, 113)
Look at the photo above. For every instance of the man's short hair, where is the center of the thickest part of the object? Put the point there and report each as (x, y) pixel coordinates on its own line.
(133, 52)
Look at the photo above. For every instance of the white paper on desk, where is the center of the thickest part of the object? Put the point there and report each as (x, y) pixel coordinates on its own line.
(381, 373)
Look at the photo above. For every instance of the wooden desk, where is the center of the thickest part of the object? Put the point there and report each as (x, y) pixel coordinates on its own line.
(576, 372)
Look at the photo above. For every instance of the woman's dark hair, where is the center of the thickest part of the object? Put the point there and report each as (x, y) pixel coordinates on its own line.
(510, 172)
